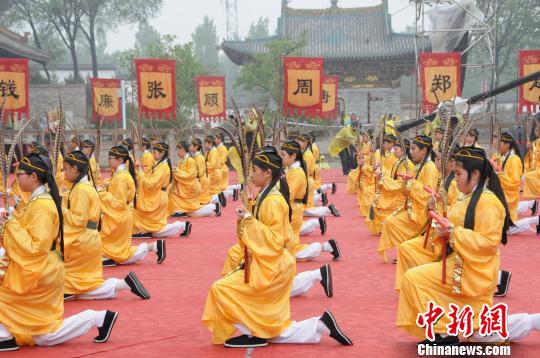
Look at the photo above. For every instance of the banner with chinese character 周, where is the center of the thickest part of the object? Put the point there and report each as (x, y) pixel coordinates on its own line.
(156, 87)
(14, 86)
(303, 86)
(106, 99)
(529, 93)
(211, 94)
(329, 97)
(440, 77)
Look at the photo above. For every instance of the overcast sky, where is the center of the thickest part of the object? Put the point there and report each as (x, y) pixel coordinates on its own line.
(180, 17)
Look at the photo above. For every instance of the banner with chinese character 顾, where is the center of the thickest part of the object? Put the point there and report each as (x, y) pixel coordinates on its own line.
(329, 96)
(211, 94)
(440, 77)
(14, 86)
(303, 86)
(106, 99)
(529, 93)
(156, 87)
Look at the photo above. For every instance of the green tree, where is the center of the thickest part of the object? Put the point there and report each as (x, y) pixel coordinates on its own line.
(145, 36)
(264, 73)
(258, 29)
(205, 42)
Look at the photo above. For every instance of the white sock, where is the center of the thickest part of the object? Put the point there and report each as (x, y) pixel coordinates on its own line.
(318, 273)
(535, 220)
(322, 329)
(326, 247)
(152, 246)
(499, 278)
(535, 320)
(99, 318)
(122, 285)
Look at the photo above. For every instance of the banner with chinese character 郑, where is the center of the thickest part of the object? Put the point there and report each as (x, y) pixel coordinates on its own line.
(529, 93)
(211, 94)
(14, 86)
(329, 97)
(106, 99)
(156, 87)
(303, 86)
(440, 77)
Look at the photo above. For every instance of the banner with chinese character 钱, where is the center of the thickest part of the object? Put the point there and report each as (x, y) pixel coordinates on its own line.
(329, 97)
(14, 86)
(156, 87)
(529, 93)
(303, 86)
(106, 99)
(211, 94)
(440, 77)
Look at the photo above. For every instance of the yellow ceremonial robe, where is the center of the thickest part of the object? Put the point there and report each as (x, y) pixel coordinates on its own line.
(203, 178)
(236, 163)
(59, 176)
(368, 195)
(296, 178)
(147, 161)
(32, 294)
(117, 218)
(150, 214)
(531, 182)
(213, 167)
(96, 172)
(223, 155)
(263, 304)
(317, 174)
(23, 196)
(510, 181)
(82, 243)
(310, 164)
(406, 224)
(185, 193)
(471, 273)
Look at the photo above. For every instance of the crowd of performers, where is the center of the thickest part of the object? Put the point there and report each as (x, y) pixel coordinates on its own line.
(68, 221)
(396, 187)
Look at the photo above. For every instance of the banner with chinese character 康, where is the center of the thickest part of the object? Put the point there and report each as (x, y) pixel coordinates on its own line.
(329, 97)
(156, 87)
(303, 86)
(211, 95)
(106, 99)
(529, 93)
(14, 86)
(440, 77)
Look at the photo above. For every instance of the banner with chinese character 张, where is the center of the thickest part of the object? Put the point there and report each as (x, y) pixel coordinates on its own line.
(303, 86)
(14, 86)
(106, 99)
(440, 77)
(211, 94)
(156, 87)
(329, 97)
(529, 93)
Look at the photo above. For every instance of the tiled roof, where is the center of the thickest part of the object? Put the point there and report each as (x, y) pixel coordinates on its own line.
(335, 34)
(14, 45)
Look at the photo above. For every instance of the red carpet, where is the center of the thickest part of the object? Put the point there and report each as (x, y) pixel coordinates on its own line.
(364, 301)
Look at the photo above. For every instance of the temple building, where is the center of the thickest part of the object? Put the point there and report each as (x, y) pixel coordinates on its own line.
(357, 44)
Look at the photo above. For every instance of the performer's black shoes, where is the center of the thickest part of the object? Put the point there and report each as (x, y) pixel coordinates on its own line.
(334, 210)
(161, 251)
(326, 282)
(534, 208)
(322, 225)
(538, 226)
(245, 341)
(136, 286)
(330, 322)
(108, 263)
(142, 235)
(217, 210)
(334, 188)
(442, 341)
(68, 297)
(336, 253)
(179, 215)
(187, 230)
(235, 194)
(8, 345)
(222, 199)
(502, 288)
(324, 199)
(106, 329)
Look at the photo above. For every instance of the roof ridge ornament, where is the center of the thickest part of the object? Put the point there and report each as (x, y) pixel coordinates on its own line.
(334, 3)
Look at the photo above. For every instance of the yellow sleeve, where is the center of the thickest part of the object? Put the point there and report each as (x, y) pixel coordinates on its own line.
(117, 195)
(151, 180)
(297, 186)
(511, 176)
(187, 175)
(78, 214)
(147, 161)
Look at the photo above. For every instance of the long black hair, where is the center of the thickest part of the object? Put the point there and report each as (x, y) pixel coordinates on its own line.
(121, 152)
(475, 133)
(422, 142)
(508, 138)
(472, 159)
(407, 154)
(78, 159)
(268, 158)
(164, 148)
(39, 164)
(291, 148)
(88, 144)
(197, 142)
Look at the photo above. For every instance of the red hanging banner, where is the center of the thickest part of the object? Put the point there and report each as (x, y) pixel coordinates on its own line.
(441, 78)
(529, 93)
(106, 99)
(156, 87)
(14, 86)
(329, 97)
(211, 95)
(303, 86)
